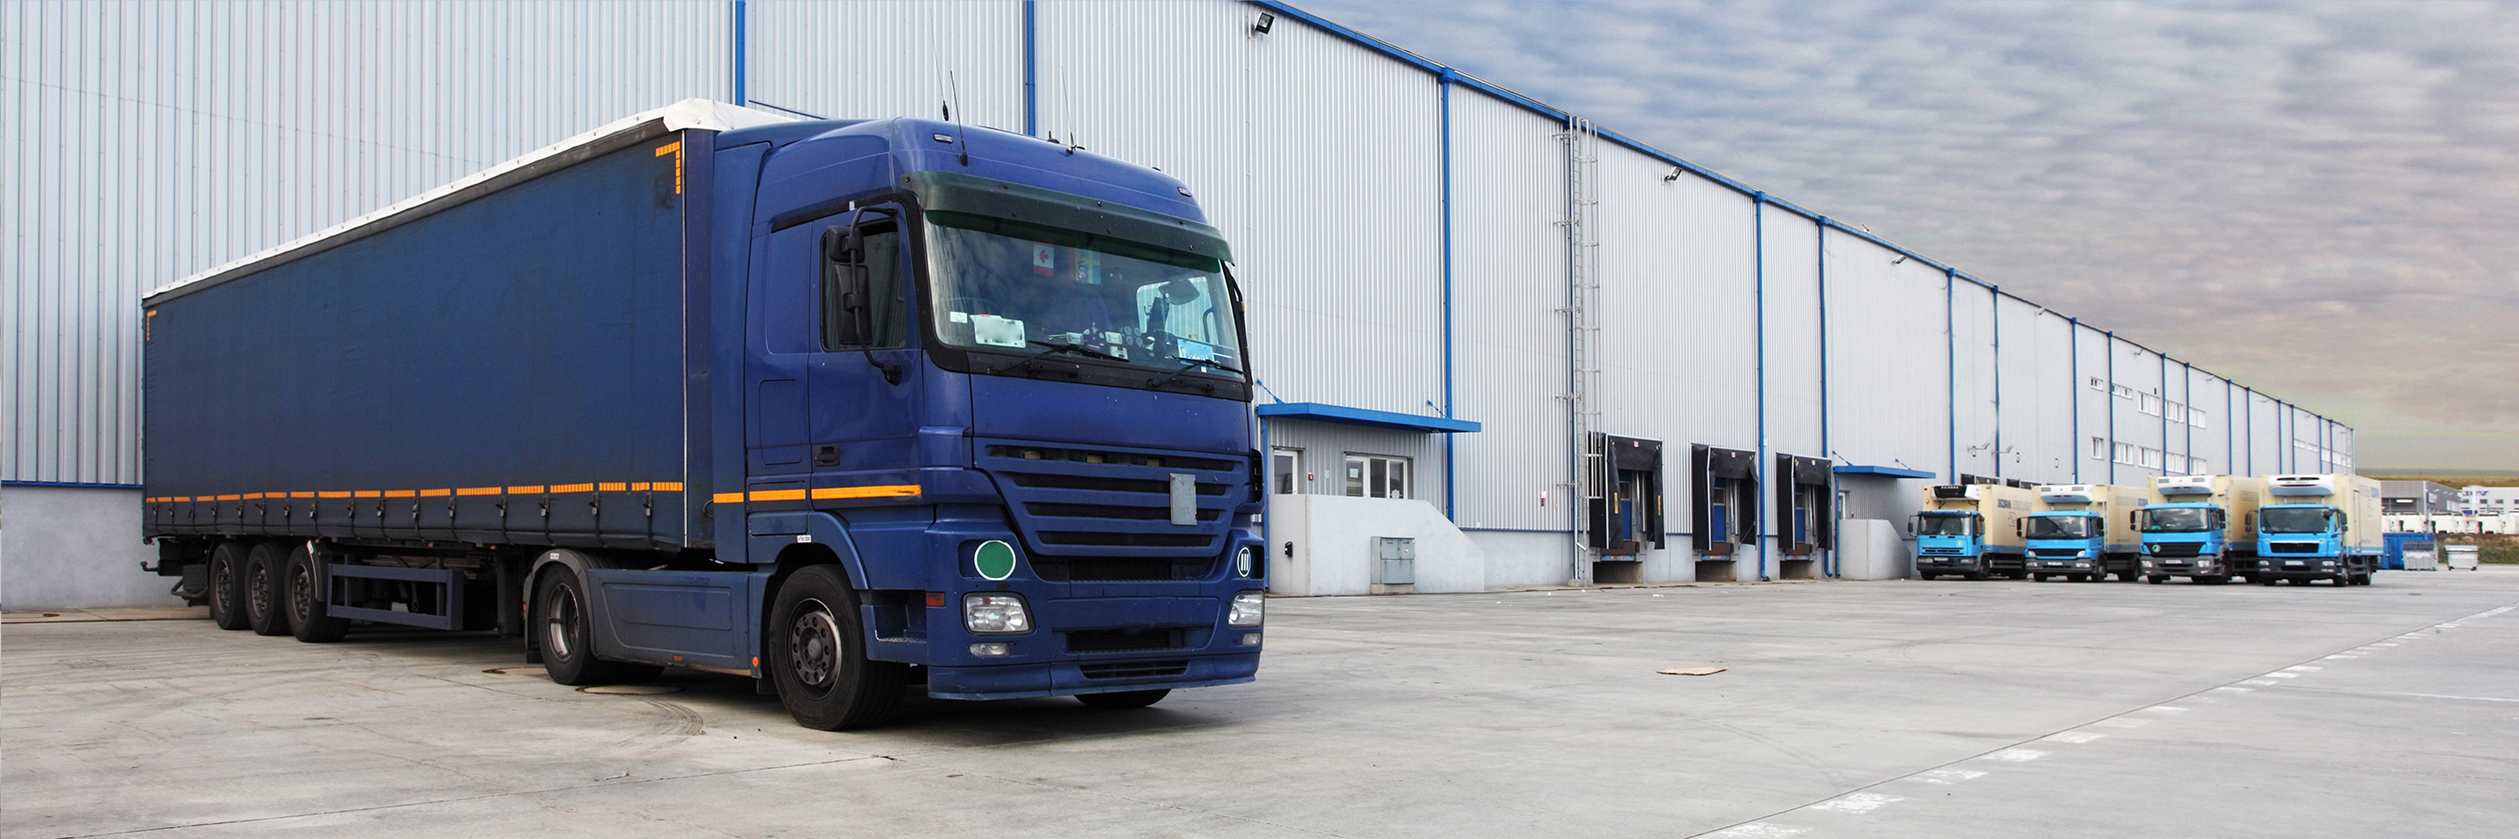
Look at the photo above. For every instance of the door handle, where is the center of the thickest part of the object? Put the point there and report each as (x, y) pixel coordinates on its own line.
(826, 454)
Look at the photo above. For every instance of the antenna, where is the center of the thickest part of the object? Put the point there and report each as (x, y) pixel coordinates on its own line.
(961, 135)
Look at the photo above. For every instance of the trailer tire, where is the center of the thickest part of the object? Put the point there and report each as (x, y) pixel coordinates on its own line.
(817, 655)
(266, 589)
(1122, 700)
(568, 635)
(227, 584)
(309, 616)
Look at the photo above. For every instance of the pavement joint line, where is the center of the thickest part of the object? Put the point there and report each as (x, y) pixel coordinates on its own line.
(2163, 705)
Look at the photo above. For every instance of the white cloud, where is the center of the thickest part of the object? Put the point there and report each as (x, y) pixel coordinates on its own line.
(2248, 186)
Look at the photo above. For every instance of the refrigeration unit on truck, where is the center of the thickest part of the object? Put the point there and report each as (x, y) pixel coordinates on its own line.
(2079, 532)
(840, 406)
(2319, 527)
(1972, 530)
(2202, 527)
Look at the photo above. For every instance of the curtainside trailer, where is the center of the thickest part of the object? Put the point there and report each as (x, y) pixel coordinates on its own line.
(838, 406)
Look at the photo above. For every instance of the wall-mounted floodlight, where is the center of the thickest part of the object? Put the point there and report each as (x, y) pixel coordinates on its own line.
(1264, 22)
(1674, 175)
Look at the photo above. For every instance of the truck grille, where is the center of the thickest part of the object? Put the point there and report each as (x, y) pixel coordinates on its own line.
(2176, 549)
(1134, 639)
(1107, 513)
(2055, 553)
(2292, 548)
(1122, 568)
(1134, 669)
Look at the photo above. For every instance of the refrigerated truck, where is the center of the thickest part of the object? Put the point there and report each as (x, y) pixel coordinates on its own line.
(2319, 527)
(2202, 527)
(838, 406)
(2079, 532)
(1971, 530)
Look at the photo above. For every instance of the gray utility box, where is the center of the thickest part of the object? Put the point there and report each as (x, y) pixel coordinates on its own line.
(1394, 564)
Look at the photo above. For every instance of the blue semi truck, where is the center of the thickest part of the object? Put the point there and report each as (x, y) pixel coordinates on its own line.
(845, 407)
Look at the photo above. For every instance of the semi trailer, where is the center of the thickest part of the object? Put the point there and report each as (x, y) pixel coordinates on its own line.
(837, 406)
(2319, 527)
(2078, 532)
(2202, 527)
(1971, 530)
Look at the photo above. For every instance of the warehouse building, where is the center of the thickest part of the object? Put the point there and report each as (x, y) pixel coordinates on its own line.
(1545, 350)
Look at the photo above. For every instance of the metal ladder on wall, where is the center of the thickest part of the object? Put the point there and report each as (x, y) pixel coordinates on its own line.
(1587, 481)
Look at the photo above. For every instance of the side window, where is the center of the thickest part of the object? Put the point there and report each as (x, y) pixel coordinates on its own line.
(1377, 476)
(877, 262)
(1286, 465)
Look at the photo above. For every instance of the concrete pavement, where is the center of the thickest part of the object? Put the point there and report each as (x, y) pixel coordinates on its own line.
(1993, 709)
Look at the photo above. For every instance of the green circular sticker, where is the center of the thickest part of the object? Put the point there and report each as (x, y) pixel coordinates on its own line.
(996, 560)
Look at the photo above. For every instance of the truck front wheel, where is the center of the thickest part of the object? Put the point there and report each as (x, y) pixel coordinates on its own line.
(266, 589)
(227, 584)
(817, 655)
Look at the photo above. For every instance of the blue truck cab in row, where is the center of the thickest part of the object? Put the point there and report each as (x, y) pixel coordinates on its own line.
(2073, 544)
(841, 406)
(2187, 539)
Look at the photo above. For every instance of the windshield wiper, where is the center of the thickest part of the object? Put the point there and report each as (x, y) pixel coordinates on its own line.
(1187, 366)
(1079, 350)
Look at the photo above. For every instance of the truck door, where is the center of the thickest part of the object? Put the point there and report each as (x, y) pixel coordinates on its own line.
(863, 426)
(779, 346)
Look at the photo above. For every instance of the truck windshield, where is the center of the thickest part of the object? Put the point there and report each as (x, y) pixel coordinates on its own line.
(1016, 287)
(1947, 524)
(2294, 520)
(2176, 520)
(2058, 527)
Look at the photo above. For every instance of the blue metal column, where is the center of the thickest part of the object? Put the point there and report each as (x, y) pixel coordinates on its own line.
(2187, 387)
(2112, 406)
(742, 33)
(1825, 452)
(1031, 74)
(1443, 91)
(1996, 293)
(1758, 309)
(2164, 411)
(1950, 367)
(2074, 350)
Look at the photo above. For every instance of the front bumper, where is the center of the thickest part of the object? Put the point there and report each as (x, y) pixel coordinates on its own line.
(2312, 568)
(1064, 678)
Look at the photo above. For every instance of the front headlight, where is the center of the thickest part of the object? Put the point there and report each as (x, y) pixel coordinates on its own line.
(1245, 612)
(995, 614)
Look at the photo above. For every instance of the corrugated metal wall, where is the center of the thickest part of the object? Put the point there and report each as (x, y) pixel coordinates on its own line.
(147, 141)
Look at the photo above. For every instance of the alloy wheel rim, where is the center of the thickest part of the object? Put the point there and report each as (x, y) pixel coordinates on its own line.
(559, 618)
(813, 645)
(258, 581)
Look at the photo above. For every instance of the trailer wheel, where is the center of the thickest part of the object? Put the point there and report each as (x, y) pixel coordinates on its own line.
(1122, 700)
(818, 656)
(266, 589)
(227, 584)
(568, 636)
(309, 617)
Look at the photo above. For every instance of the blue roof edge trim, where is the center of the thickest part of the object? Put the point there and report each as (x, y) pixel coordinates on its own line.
(1455, 76)
(1888, 471)
(1324, 412)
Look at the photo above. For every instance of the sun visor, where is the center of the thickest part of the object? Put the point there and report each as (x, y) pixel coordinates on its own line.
(955, 192)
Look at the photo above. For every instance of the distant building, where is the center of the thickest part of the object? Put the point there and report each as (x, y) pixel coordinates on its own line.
(2478, 500)
(2416, 498)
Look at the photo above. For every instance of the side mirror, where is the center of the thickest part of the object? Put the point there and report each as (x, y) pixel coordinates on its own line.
(846, 319)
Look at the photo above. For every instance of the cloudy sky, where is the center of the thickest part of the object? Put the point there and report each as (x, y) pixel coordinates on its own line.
(2320, 200)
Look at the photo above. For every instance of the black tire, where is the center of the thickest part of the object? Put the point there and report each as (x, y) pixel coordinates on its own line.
(1922, 576)
(266, 589)
(1122, 700)
(1973, 575)
(2268, 581)
(2156, 579)
(2038, 578)
(568, 635)
(817, 655)
(309, 619)
(227, 584)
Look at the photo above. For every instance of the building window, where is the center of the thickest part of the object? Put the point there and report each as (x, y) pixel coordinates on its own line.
(2178, 464)
(2151, 458)
(2099, 448)
(2099, 384)
(2122, 392)
(2149, 404)
(2196, 418)
(2197, 466)
(2125, 453)
(1377, 476)
(2178, 412)
(1288, 467)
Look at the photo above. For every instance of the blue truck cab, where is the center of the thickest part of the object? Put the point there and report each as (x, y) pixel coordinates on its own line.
(2324, 527)
(845, 407)
(1971, 530)
(2072, 544)
(2199, 526)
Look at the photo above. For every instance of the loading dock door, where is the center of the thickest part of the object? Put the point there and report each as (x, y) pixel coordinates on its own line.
(1724, 503)
(1804, 519)
(1630, 516)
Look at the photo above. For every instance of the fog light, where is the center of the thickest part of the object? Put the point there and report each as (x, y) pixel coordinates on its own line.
(1245, 613)
(995, 614)
(1250, 639)
(991, 649)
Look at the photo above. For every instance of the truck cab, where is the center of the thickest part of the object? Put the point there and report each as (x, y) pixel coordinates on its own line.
(1970, 530)
(2069, 544)
(2313, 534)
(2199, 527)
